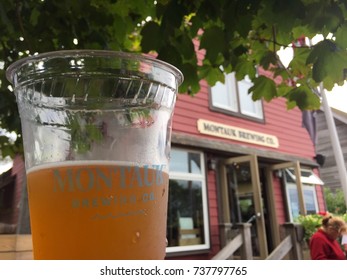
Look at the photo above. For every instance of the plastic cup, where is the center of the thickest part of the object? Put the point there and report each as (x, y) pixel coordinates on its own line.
(96, 129)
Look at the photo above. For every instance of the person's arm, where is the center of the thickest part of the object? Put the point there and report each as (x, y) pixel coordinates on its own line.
(344, 242)
(318, 249)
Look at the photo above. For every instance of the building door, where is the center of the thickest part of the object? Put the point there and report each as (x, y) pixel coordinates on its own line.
(242, 199)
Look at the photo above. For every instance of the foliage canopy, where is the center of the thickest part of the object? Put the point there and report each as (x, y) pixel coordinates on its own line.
(236, 34)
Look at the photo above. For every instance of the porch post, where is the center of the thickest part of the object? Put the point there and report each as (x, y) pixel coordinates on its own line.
(225, 221)
(246, 248)
(301, 197)
(296, 233)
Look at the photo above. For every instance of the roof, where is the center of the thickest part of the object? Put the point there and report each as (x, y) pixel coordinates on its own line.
(339, 115)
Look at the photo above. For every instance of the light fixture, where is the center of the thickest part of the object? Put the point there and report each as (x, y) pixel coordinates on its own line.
(279, 173)
(211, 164)
(320, 159)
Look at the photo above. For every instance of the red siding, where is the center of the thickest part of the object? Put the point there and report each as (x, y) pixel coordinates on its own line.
(320, 198)
(279, 201)
(213, 212)
(285, 124)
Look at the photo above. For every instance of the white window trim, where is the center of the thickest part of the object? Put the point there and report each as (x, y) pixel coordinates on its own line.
(195, 177)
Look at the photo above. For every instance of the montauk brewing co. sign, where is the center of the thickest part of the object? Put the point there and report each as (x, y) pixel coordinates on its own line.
(236, 133)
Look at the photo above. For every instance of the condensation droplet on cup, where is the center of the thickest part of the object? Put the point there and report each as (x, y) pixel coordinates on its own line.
(136, 237)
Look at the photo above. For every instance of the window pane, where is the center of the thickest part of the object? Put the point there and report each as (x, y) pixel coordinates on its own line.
(310, 201)
(309, 197)
(294, 203)
(185, 213)
(224, 96)
(187, 162)
(219, 95)
(248, 106)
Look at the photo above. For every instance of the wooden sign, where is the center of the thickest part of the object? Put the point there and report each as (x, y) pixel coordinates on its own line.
(236, 133)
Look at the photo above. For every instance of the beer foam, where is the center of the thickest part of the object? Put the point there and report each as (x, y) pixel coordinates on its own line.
(80, 163)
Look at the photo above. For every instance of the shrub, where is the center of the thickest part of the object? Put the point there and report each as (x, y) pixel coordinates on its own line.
(335, 201)
(312, 222)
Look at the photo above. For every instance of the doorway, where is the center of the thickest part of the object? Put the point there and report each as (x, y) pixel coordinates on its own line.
(245, 200)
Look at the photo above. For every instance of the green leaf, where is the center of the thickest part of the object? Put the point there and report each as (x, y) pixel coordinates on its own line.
(120, 34)
(173, 15)
(244, 68)
(211, 74)
(191, 81)
(34, 16)
(185, 45)
(328, 61)
(304, 98)
(298, 63)
(259, 50)
(341, 36)
(213, 41)
(150, 36)
(269, 58)
(283, 89)
(171, 55)
(263, 87)
(320, 50)
(302, 30)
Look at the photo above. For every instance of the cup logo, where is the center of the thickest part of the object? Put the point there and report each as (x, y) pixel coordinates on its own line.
(105, 190)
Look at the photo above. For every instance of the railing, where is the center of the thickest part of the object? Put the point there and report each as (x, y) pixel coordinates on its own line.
(19, 247)
(15, 247)
(241, 241)
(291, 246)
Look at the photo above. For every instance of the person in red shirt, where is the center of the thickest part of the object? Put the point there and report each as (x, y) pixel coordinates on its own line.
(324, 244)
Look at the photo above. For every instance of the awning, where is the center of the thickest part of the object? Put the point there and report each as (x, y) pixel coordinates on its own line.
(307, 176)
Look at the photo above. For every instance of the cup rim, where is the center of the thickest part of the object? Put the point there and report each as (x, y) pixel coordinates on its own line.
(12, 68)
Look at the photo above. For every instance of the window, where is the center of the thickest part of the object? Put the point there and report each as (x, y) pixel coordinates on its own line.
(293, 200)
(187, 222)
(232, 97)
(308, 180)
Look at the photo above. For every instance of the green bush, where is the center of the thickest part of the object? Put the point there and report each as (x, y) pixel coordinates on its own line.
(310, 223)
(314, 221)
(335, 201)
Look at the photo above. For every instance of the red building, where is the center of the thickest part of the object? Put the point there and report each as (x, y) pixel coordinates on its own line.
(12, 184)
(235, 160)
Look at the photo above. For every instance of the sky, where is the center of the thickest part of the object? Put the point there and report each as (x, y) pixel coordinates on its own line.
(337, 98)
(5, 165)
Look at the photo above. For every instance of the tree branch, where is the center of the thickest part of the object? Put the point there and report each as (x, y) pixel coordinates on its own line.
(21, 25)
